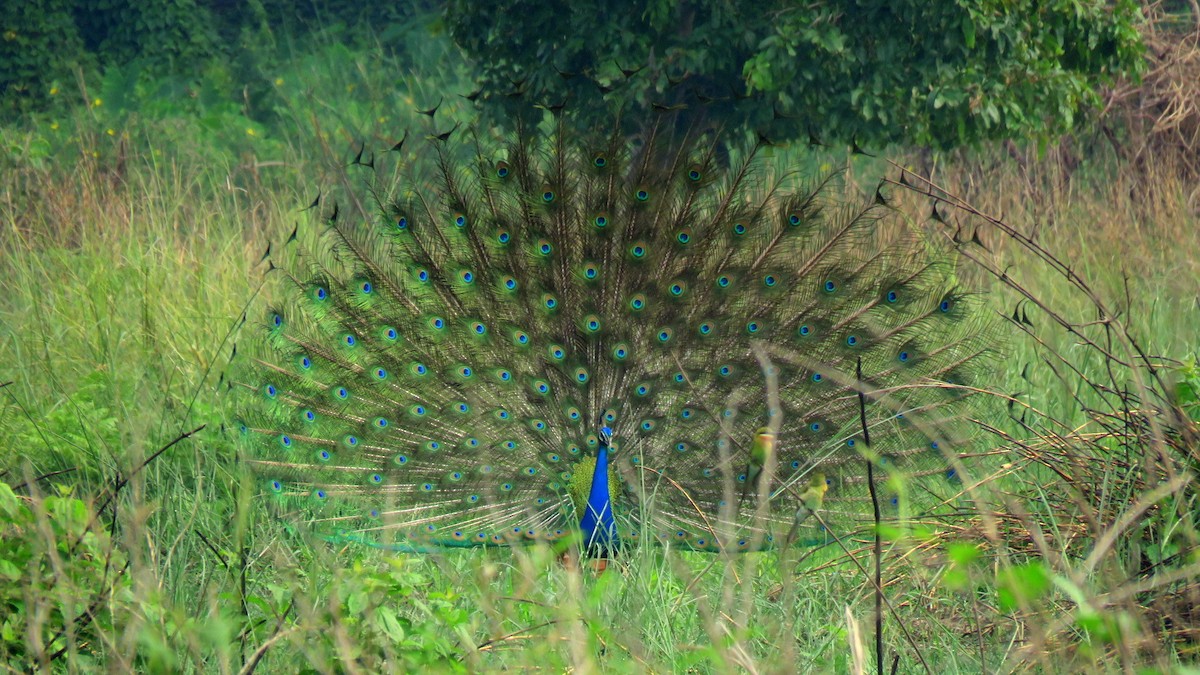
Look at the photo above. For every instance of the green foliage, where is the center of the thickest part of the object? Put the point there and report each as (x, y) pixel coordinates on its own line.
(941, 73)
(392, 618)
(314, 17)
(962, 557)
(1187, 388)
(173, 47)
(172, 35)
(244, 109)
(1021, 586)
(71, 434)
(60, 576)
(39, 49)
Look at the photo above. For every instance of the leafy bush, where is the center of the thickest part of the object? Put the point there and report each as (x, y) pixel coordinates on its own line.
(387, 618)
(928, 73)
(172, 35)
(61, 579)
(39, 48)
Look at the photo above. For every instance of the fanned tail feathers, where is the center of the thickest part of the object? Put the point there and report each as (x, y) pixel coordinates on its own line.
(458, 338)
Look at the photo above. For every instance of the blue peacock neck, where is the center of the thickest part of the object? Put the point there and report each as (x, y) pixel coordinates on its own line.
(598, 526)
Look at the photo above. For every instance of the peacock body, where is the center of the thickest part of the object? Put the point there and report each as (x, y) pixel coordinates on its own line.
(577, 337)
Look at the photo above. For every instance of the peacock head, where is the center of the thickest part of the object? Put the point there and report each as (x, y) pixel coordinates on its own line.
(606, 437)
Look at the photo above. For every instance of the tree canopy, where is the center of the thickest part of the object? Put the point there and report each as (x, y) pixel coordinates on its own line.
(942, 74)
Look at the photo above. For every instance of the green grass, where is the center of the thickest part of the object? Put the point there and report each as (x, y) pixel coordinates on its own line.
(128, 262)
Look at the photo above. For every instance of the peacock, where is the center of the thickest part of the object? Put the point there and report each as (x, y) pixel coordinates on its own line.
(582, 338)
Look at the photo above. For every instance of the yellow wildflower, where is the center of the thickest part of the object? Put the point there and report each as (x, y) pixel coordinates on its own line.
(97, 102)
(251, 132)
(279, 82)
(54, 91)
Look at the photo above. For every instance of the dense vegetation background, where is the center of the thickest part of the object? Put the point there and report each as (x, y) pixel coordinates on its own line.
(151, 150)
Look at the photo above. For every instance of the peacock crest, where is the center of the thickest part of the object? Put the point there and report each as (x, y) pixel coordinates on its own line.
(656, 338)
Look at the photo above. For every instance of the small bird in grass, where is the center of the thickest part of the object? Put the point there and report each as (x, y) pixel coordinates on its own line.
(810, 502)
(762, 449)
